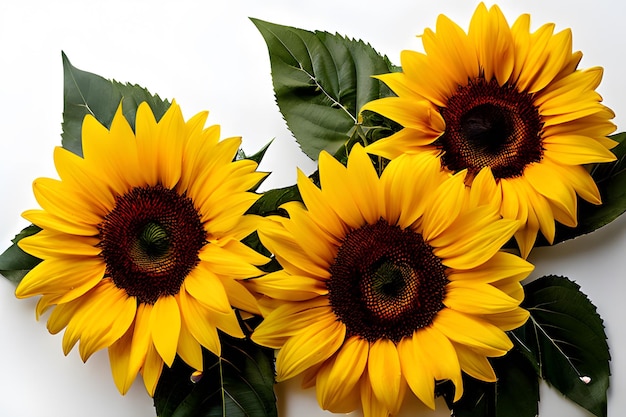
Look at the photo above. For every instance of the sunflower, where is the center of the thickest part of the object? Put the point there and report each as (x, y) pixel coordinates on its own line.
(140, 242)
(388, 282)
(507, 100)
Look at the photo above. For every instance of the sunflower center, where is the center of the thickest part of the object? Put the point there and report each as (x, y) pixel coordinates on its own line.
(386, 282)
(153, 241)
(488, 125)
(150, 241)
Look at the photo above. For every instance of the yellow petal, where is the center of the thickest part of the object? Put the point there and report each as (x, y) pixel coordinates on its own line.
(228, 323)
(445, 206)
(189, 349)
(118, 357)
(474, 364)
(333, 179)
(372, 406)
(289, 319)
(549, 183)
(576, 150)
(385, 373)
(89, 324)
(152, 369)
(473, 251)
(52, 195)
(319, 208)
(314, 344)
(364, 185)
(339, 377)
(404, 195)
(46, 220)
(454, 51)
(113, 322)
(165, 324)
(417, 370)
(289, 252)
(321, 247)
(140, 342)
(440, 356)
(419, 68)
(74, 171)
(99, 153)
(50, 244)
(473, 332)
(198, 321)
(494, 43)
(475, 298)
(398, 82)
(221, 260)
(410, 113)
(69, 278)
(169, 145)
(284, 286)
(501, 265)
(406, 140)
(208, 289)
(508, 320)
(484, 190)
(240, 297)
(147, 147)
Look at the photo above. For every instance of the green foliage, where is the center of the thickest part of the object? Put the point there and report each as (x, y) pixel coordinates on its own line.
(256, 157)
(239, 384)
(86, 93)
(516, 393)
(321, 81)
(565, 341)
(14, 262)
(271, 200)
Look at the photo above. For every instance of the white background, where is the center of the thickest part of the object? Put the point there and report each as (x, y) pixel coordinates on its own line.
(208, 55)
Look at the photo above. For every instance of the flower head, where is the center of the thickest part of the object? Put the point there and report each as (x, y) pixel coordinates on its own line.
(388, 281)
(140, 242)
(507, 100)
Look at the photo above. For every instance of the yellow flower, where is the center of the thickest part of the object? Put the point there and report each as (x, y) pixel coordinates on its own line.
(388, 281)
(140, 242)
(507, 100)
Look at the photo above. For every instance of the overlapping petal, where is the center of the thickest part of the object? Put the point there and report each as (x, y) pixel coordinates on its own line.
(541, 68)
(100, 309)
(464, 232)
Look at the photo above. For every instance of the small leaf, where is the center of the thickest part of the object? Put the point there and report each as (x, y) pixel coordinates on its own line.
(86, 93)
(14, 262)
(271, 200)
(257, 157)
(239, 384)
(321, 81)
(516, 393)
(565, 339)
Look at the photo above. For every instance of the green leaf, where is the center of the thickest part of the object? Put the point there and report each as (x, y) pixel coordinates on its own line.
(565, 339)
(86, 93)
(321, 81)
(239, 384)
(14, 262)
(257, 157)
(133, 95)
(611, 181)
(516, 393)
(271, 200)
